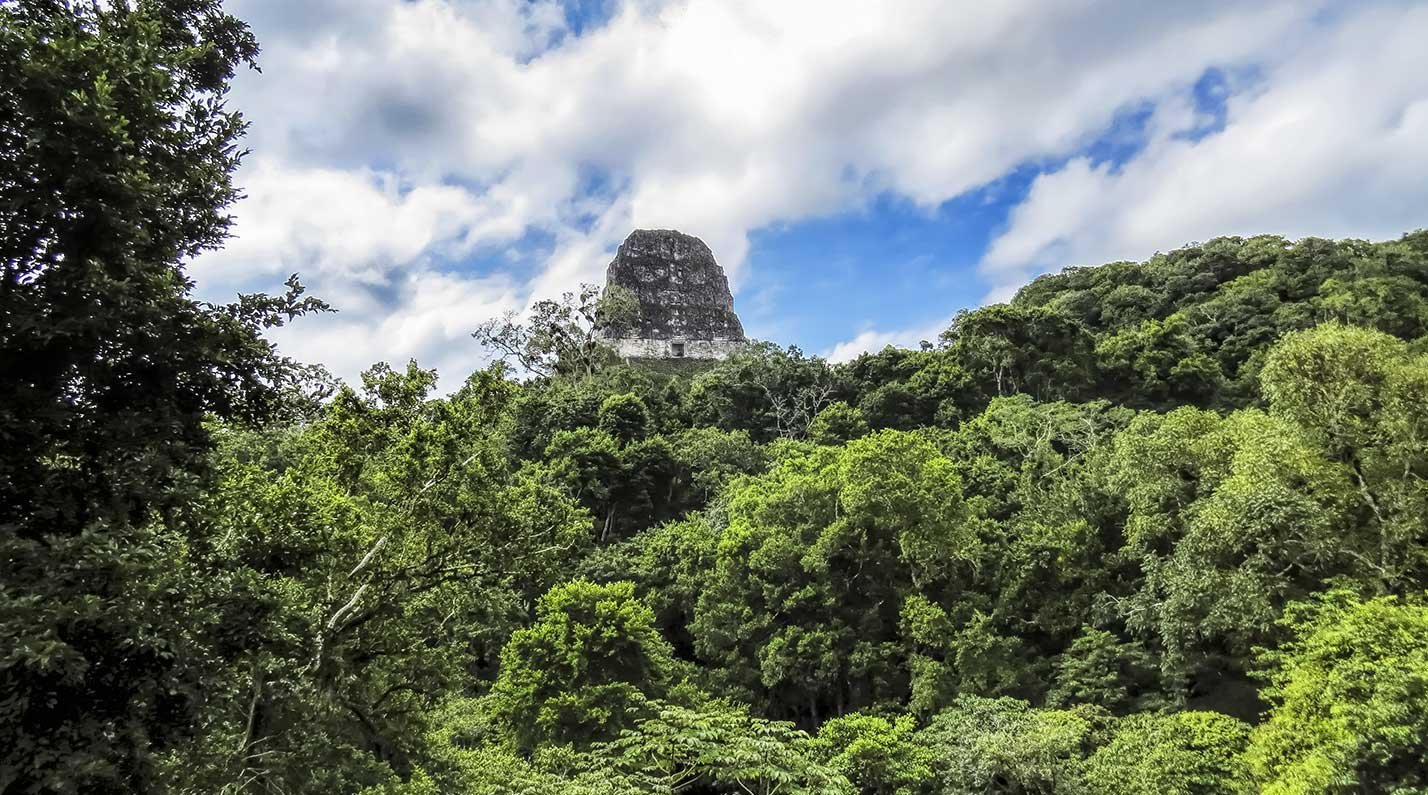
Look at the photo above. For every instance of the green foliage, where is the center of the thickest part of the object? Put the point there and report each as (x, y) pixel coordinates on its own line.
(768, 392)
(722, 748)
(1181, 753)
(585, 670)
(1336, 380)
(117, 159)
(1359, 393)
(1228, 519)
(374, 559)
(587, 462)
(836, 424)
(671, 564)
(878, 755)
(909, 389)
(547, 408)
(973, 656)
(1101, 669)
(1162, 322)
(810, 569)
(710, 458)
(465, 755)
(1010, 348)
(624, 417)
(1042, 559)
(1350, 694)
(981, 746)
(1160, 364)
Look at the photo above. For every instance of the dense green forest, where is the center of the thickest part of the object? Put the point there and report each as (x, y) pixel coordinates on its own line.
(1155, 527)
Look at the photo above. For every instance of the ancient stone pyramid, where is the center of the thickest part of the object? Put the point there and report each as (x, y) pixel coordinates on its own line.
(685, 307)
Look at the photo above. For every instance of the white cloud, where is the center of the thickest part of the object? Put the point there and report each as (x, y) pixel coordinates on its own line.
(873, 340)
(1332, 146)
(365, 243)
(395, 137)
(428, 317)
(358, 225)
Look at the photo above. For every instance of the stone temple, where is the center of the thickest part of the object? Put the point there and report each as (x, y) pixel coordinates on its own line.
(685, 308)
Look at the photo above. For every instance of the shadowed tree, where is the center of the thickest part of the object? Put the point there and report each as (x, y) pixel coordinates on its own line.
(116, 155)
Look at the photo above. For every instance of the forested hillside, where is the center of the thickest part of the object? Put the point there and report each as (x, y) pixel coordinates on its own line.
(1155, 527)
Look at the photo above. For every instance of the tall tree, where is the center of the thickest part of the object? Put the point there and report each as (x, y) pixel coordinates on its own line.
(802, 605)
(586, 669)
(561, 337)
(116, 156)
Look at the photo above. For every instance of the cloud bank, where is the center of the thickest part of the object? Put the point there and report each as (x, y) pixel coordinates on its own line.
(425, 164)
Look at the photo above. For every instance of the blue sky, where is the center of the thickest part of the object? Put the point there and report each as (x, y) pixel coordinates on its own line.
(890, 263)
(862, 170)
(809, 281)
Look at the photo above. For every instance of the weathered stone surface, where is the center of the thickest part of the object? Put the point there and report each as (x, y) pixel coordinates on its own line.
(686, 308)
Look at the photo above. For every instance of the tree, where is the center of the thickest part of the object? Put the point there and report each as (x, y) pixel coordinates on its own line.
(1180, 753)
(1194, 324)
(1048, 554)
(1159, 364)
(670, 563)
(905, 389)
(722, 747)
(770, 392)
(879, 755)
(1358, 392)
(710, 458)
(837, 423)
(624, 417)
(1350, 694)
(117, 159)
(466, 754)
(1229, 519)
(545, 408)
(983, 746)
(562, 337)
(585, 670)
(1386, 289)
(1100, 668)
(587, 461)
(648, 493)
(811, 570)
(1008, 349)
